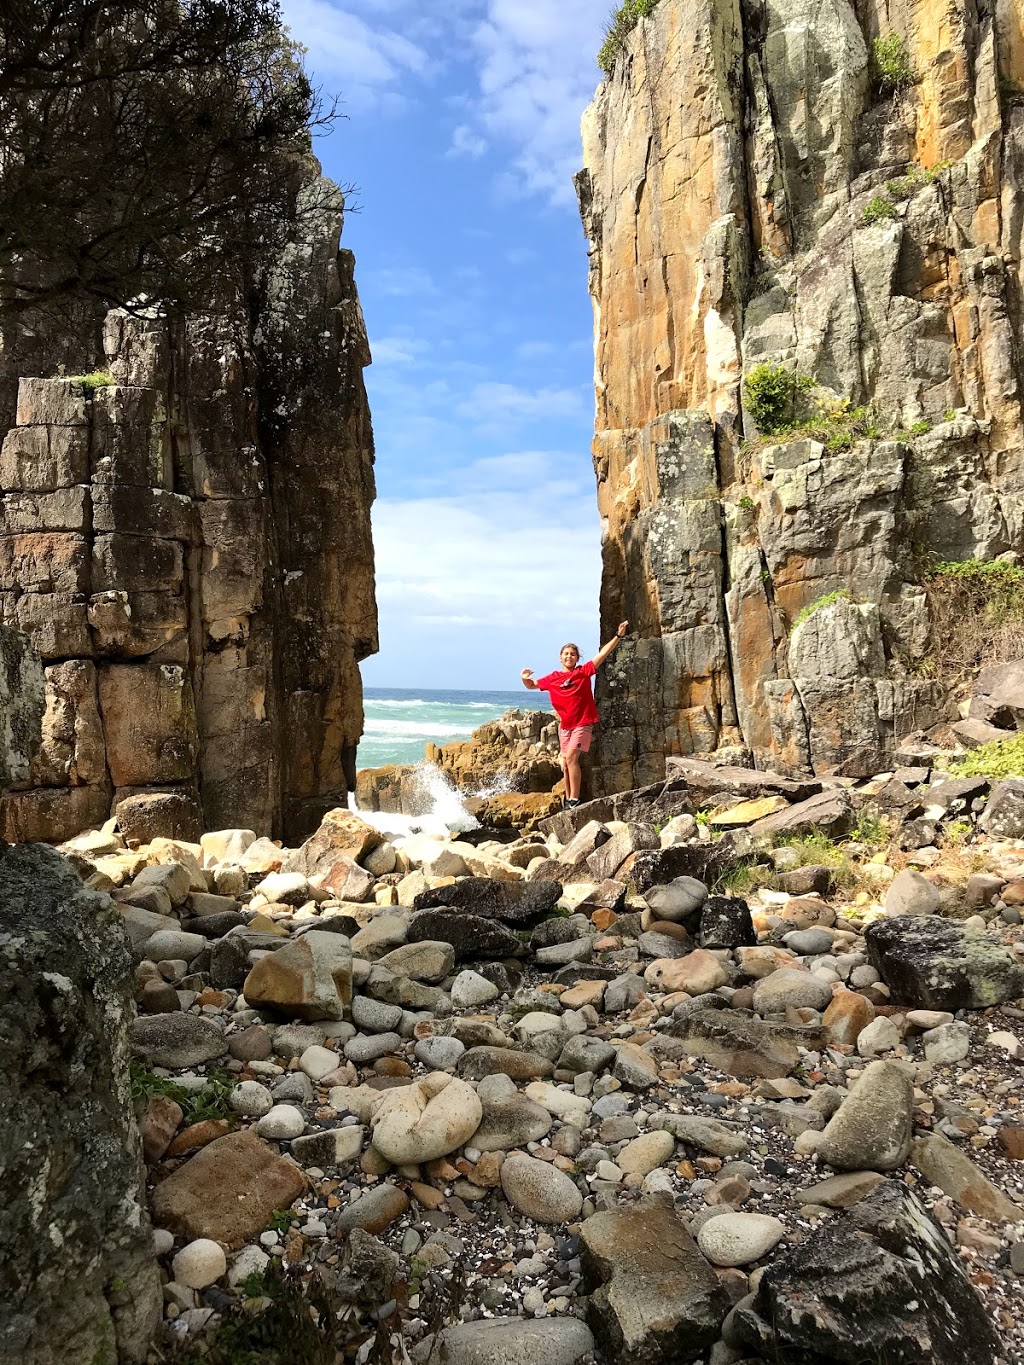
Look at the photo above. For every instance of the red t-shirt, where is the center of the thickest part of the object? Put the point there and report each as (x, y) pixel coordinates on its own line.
(571, 695)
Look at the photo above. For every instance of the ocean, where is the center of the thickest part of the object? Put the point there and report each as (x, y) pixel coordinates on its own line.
(401, 720)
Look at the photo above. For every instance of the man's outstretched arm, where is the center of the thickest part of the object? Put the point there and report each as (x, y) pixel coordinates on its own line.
(527, 677)
(605, 650)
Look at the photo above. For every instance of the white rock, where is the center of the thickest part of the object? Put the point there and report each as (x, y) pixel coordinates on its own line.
(318, 1062)
(251, 1099)
(470, 989)
(421, 1122)
(282, 1123)
(249, 1261)
(163, 1241)
(200, 1264)
(739, 1238)
(881, 1035)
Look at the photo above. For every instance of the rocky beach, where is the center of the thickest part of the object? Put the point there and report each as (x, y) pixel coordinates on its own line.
(308, 1061)
(566, 1095)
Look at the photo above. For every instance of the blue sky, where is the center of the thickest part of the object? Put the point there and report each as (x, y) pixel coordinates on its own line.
(462, 135)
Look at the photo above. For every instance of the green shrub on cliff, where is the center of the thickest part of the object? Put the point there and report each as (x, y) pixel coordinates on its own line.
(772, 393)
(880, 210)
(623, 21)
(891, 63)
(98, 379)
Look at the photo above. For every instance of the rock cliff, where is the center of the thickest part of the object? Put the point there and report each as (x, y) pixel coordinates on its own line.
(78, 1275)
(825, 195)
(185, 539)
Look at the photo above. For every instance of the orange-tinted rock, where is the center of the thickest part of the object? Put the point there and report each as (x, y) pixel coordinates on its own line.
(846, 1016)
(227, 1191)
(198, 1135)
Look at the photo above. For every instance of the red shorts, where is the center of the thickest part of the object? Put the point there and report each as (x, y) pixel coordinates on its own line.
(575, 739)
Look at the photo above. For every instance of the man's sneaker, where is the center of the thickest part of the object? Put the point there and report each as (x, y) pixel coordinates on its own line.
(570, 803)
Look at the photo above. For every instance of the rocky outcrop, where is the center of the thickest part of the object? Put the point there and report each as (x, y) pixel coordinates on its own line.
(763, 186)
(185, 538)
(517, 753)
(78, 1278)
(21, 706)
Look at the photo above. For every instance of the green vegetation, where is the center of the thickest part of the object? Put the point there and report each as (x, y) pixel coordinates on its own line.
(836, 425)
(919, 428)
(1001, 758)
(623, 21)
(282, 1324)
(98, 379)
(280, 1220)
(871, 827)
(747, 503)
(891, 65)
(880, 210)
(196, 1105)
(977, 611)
(830, 599)
(949, 415)
(772, 393)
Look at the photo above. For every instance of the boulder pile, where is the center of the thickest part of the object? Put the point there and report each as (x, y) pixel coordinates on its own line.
(570, 1097)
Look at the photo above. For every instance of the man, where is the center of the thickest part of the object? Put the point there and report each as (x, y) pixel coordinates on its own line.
(572, 699)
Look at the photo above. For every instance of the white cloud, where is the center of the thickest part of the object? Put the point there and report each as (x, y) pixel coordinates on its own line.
(486, 561)
(467, 142)
(404, 281)
(537, 74)
(498, 403)
(397, 350)
(368, 60)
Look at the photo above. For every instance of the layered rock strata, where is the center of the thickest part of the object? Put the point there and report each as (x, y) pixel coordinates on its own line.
(763, 187)
(78, 1277)
(186, 541)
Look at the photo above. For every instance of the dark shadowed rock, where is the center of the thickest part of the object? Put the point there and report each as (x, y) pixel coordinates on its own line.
(937, 964)
(1003, 817)
(73, 1214)
(725, 923)
(518, 903)
(177, 1040)
(653, 1298)
(470, 935)
(655, 867)
(881, 1284)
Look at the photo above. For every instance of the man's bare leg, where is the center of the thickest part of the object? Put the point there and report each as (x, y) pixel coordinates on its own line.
(573, 774)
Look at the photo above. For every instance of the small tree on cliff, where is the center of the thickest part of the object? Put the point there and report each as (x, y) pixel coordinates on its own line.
(144, 146)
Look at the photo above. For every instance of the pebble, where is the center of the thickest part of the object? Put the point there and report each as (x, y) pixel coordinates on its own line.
(200, 1263)
(538, 1190)
(282, 1123)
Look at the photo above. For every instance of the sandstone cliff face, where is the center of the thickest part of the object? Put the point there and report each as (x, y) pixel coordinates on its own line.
(189, 551)
(729, 159)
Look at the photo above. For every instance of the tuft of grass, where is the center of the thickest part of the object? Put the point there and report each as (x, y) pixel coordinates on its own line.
(621, 24)
(830, 598)
(741, 879)
(816, 849)
(196, 1105)
(97, 379)
(871, 827)
(880, 209)
(1000, 758)
(891, 65)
